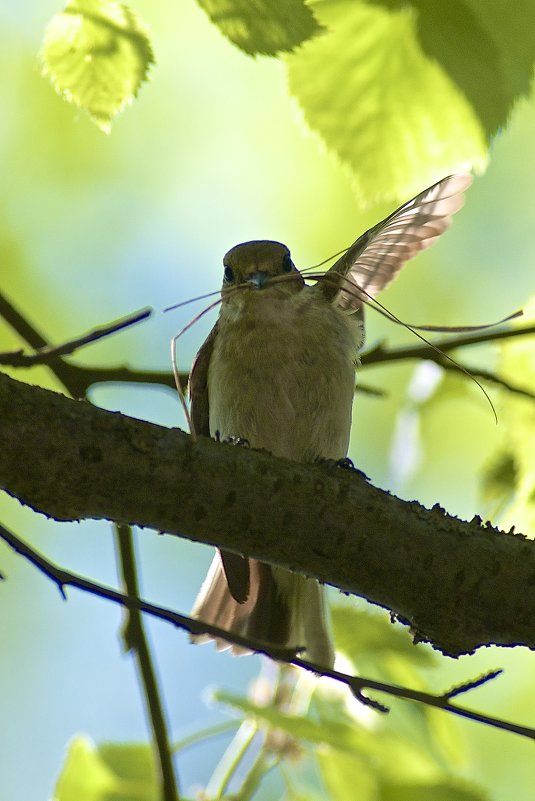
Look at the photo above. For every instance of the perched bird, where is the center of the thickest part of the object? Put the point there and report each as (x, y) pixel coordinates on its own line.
(278, 369)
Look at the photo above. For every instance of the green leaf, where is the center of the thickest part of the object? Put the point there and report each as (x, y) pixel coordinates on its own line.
(133, 764)
(340, 735)
(389, 111)
(360, 634)
(85, 776)
(441, 791)
(263, 27)
(110, 772)
(375, 646)
(485, 49)
(344, 773)
(97, 54)
(334, 728)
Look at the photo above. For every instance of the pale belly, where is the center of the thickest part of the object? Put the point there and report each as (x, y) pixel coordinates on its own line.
(282, 375)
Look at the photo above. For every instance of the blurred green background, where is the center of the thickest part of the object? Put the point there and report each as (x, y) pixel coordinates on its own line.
(95, 226)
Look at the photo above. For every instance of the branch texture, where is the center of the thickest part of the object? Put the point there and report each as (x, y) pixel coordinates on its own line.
(459, 585)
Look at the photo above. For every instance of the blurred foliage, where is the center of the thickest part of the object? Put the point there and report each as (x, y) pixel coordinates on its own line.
(499, 482)
(516, 480)
(108, 772)
(354, 749)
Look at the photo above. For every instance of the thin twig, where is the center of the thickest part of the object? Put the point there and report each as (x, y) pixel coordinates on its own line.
(63, 578)
(466, 686)
(487, 375)
(135, 639)
(380, 354)
(76, 380)
(47, 353)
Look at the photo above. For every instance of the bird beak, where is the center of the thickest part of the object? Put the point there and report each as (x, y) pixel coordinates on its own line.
(258, 280)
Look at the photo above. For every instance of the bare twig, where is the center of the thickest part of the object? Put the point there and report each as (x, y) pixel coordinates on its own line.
(135, 639)
(487, 375)
(47, 353)
(472, 685)
(380, 354)
(63, 578)
(76, 380)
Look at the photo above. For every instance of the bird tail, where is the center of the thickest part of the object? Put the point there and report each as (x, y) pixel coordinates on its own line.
(282, 609)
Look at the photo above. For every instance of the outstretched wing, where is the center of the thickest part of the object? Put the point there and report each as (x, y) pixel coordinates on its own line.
(377, 256)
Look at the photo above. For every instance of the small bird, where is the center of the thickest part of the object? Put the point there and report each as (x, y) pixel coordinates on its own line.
(278, 370)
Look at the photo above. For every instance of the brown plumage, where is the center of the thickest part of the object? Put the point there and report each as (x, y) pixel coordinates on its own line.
(278, 369)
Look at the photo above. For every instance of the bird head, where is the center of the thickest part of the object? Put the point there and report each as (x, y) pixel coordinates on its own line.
(257, 265)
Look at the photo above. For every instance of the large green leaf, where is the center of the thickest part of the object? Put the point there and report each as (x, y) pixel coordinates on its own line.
(263, 27)
(487, 50)
(97, 54)
(407, 92)
(111, 772)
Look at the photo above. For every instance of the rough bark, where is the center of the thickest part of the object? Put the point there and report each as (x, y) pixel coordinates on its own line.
(460, 585)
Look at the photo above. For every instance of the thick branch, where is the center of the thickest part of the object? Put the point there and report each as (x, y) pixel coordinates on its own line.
(460, 585)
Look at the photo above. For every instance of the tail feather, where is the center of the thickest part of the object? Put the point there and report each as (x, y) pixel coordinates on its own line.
(282, 608)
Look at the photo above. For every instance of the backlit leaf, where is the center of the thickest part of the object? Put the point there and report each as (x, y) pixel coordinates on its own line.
(263, 27)
(97, 54)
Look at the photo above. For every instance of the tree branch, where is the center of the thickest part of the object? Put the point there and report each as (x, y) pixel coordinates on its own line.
(380, 354)
(357, 684)
(45, 354)
(459, 585)
(135, 639)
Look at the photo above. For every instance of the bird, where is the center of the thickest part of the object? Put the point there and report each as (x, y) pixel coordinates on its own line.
(278, 371)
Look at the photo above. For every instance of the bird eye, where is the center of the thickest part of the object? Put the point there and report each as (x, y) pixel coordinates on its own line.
(287, 265)
(228, 274)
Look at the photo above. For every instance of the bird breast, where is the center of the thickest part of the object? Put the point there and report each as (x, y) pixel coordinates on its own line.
(282, 374)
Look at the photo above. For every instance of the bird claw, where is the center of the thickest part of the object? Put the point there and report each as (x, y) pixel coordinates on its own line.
(344, 464)
(232, 440)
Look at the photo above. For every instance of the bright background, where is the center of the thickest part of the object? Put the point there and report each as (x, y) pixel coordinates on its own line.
(93, 227)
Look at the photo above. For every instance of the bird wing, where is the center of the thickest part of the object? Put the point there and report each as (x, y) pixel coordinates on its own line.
(198, 386)
(236, 567)
(377, 256)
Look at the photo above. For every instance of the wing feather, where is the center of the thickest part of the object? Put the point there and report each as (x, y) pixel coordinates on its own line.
(236, 567)
(378, 255)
